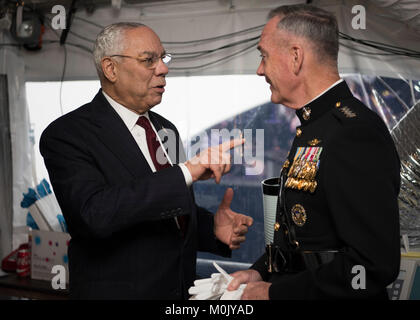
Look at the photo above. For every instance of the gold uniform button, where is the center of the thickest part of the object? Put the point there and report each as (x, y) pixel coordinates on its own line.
(306, 113)
(276, 226)
(298, 132)
(338, 104)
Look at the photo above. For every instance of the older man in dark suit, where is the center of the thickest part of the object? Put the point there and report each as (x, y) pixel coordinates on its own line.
(124, 193)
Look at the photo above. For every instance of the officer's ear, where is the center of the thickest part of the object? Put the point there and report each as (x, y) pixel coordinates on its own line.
(296, 56)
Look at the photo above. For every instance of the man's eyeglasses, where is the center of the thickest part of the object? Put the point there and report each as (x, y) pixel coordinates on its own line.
(150, 62)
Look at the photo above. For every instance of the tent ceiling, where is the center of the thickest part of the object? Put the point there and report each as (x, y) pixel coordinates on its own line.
(407, 11)
(45, 6)
(395, 22)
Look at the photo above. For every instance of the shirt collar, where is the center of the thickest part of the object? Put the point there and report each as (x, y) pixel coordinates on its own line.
(128, 116)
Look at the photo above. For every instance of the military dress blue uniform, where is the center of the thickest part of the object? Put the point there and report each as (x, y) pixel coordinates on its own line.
(337, 224)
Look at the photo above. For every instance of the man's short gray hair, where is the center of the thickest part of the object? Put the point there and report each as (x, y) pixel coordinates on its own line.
(111, 41)
(314, 24)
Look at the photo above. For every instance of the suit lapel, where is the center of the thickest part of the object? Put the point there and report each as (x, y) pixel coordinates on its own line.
(115, 135)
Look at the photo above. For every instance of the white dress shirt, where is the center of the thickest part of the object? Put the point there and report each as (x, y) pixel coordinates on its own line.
(130, 118)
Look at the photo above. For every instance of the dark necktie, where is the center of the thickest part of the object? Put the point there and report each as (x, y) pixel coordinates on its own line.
(153, 145)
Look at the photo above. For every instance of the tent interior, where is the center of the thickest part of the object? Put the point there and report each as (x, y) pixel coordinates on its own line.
(212, 84)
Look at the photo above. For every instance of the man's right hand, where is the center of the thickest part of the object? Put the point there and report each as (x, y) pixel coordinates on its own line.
(243, 276)
(214, 162)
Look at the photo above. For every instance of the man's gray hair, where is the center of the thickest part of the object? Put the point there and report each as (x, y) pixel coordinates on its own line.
(314, 24)
(111, 41)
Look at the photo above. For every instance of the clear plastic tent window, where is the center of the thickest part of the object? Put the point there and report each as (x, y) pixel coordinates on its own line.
(394, 99)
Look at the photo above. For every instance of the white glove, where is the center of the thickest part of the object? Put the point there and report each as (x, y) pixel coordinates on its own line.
(215, 288)
(208, 289)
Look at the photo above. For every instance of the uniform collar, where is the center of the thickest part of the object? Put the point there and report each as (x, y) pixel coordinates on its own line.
(324, 102)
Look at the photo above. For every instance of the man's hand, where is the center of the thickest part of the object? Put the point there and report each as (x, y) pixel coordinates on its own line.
(213, 162)
(230, 227)
(243, 276)
(255, 289)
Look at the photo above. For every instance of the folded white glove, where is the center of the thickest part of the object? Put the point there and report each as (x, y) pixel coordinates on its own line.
(208, 289)
(215, 288)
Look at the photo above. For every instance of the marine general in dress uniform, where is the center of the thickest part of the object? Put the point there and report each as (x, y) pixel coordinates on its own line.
(337, 222)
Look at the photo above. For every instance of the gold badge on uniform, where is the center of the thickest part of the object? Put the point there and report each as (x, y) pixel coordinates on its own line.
(314, 142)
(348, 112)
(302, 172)
(298, 215)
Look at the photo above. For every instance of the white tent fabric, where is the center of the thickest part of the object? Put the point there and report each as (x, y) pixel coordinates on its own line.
(407, 11)
(12, 64)
(380, 27)
(6, 198)
(391, 22)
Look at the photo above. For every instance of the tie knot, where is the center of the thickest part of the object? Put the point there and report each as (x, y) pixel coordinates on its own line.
(144, 122)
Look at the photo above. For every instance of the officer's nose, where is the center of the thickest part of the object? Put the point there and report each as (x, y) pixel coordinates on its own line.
(260, 70)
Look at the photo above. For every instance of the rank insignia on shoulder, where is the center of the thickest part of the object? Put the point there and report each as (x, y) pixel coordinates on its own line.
(302, 172)
(299, 215)
(348, 112)
(314, 142)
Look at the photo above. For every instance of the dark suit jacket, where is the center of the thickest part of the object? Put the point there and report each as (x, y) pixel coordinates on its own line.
(125, 242)
(354, 208)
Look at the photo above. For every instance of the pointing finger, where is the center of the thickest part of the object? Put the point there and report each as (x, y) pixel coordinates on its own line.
(225, 146)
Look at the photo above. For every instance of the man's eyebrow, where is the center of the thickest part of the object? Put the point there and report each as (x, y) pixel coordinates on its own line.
(151, 53)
